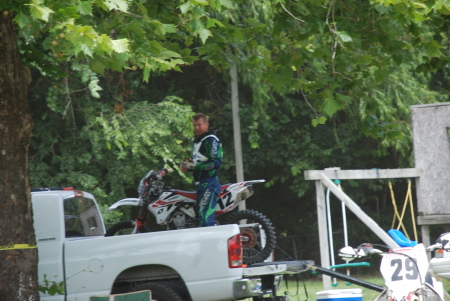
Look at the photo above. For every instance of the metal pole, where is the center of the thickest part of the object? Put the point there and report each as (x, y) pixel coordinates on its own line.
(237, 129)
(323, 233)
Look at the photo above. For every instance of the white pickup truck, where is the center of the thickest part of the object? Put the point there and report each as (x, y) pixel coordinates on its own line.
(192, 264)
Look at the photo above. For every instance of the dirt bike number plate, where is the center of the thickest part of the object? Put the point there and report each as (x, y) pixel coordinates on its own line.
(403, 274)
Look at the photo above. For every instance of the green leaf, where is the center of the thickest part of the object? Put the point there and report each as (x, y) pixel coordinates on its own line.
(170, 53)
(343, 99)
(434, 49)
(69, 12)
(147, 69)
(419, 17)
(169, 28)
(199, 2)
(39, 12)
(117, 4)
(210, 23)
(316, 121)
(215, 22)
(120, 45)
(381, 74)
(344, 36)
(418, 5)
(198, 12)
(366, 59)
(331, 106)
(105, 43)
(97, 66)
(136, 27)
(185, 7)
(204, 34)
(141, 7)
(161, 29)
(157, 46)
(84, 7)
(395, 135)
(227, 3)
(22, 19)
(86, 50)
(281, 78)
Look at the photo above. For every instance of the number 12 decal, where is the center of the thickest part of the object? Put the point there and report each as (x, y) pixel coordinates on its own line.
(409, 265)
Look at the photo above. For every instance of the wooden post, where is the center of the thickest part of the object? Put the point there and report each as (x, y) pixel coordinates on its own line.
(425, 229)
(323, 233)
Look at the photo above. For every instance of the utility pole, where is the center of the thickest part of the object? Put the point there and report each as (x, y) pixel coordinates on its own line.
(237, 128)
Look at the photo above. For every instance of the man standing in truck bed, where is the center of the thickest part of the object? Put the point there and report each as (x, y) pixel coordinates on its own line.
(207, 160)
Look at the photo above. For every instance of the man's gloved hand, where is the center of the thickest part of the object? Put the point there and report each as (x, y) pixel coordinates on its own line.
(188, 165)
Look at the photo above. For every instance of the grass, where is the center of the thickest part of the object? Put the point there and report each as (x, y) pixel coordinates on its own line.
(316, 285)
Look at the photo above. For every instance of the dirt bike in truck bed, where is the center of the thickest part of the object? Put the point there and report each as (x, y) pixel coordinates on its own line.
(175, 209)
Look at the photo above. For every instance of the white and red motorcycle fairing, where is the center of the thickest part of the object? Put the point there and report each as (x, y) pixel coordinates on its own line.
(170, 200)
(175, 209)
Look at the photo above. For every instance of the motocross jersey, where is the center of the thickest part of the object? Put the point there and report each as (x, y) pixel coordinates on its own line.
(207, 155)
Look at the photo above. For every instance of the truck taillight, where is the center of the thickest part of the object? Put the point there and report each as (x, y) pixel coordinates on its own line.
(235, 254)
(439, 253)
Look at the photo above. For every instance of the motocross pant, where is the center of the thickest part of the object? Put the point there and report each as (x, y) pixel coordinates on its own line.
(207, 193)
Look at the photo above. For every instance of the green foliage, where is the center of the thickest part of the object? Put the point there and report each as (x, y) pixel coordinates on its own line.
(322, 83)
(104, 147)
(52, 288)
(323, 50)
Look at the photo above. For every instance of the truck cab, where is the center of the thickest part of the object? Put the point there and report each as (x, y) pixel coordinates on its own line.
(60, 216)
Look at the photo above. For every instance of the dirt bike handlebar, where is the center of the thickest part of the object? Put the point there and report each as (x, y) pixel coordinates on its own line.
(158, 175)
(253, 182)
(348, 253)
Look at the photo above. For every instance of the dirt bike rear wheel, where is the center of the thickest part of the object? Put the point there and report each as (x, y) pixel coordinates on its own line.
(123, 228)
(258, 241)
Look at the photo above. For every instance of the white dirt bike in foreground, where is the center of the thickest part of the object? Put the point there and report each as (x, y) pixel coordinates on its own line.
(175, 209)
(440, 263)
(405, 272)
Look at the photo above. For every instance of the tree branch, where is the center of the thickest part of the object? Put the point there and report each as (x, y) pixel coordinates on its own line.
(291, 13)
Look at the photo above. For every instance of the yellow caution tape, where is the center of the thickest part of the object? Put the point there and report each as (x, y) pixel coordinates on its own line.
(17, 247)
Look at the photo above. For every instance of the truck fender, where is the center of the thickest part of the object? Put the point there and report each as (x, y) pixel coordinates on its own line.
(152, 273)
(125, 202)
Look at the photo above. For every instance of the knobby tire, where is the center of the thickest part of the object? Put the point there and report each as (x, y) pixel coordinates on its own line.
(256, 253)
(118, 228)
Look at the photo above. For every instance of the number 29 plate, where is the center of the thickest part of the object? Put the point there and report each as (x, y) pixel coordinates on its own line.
(404, 273)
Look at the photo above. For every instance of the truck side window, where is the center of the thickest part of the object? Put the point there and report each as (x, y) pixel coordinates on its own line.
(81, 217)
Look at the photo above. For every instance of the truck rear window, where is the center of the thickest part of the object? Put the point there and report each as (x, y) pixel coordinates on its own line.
(82, 218)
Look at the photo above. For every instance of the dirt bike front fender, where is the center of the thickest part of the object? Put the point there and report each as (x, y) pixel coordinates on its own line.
(125, 202)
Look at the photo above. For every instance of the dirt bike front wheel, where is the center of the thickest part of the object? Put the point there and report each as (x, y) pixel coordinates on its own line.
(124, 228)
(257, 234)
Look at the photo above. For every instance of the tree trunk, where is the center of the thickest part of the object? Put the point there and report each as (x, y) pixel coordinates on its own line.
(18, 272)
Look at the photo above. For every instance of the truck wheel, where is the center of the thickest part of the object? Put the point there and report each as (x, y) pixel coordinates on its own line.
(258, 238)
(159, 292)
(124, 227)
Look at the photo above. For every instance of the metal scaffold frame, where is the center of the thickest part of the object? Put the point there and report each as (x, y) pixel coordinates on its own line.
(324, 179)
